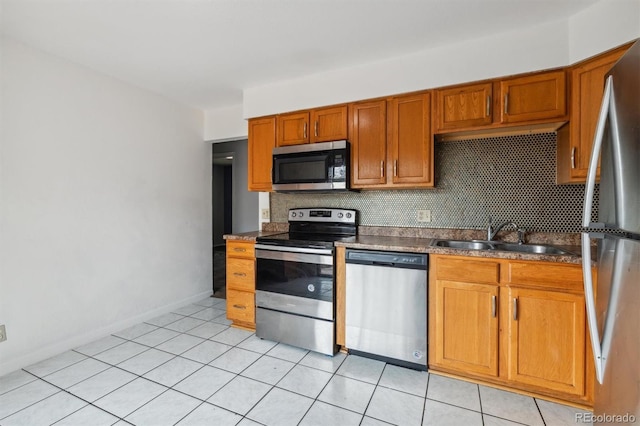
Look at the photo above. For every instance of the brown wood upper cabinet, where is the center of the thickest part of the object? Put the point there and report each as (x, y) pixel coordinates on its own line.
(316, 125)
(576, 139)
(533, 98)
(463, 106)
(262, 140)
(392, 143)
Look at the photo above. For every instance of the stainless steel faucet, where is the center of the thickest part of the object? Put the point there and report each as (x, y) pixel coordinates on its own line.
(491, 231)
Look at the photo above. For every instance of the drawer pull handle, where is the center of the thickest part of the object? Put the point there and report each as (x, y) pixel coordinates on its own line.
(382, 168)
(506, 104)
(239, 249)
(315, 129)
(488, 107)
(515, 309)
(493, 306)
(239, 274)
(305, 131)
(573, 157)
(239, 306)
(395, 168)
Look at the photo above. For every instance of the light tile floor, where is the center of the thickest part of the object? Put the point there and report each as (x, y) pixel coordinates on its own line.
(189, 367)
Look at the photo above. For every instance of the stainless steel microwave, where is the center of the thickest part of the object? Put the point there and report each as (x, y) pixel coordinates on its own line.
(311, 167)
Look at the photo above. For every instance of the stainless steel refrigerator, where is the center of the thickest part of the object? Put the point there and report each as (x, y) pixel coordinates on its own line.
(613, 312)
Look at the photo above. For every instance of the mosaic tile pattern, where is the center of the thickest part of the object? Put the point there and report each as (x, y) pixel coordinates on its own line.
(508, 178)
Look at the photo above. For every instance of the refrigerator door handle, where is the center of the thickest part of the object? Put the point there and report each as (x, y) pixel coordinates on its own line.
(591, 306)
(595, 152)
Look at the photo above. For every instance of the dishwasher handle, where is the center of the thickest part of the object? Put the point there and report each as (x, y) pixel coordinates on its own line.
(387, 259)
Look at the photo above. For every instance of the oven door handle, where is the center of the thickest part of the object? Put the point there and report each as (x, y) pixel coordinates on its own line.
(295, 256)
(321, 251)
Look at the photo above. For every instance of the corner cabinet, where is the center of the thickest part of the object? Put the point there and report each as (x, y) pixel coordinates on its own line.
(514, 323)
(392, 143)
(262, 140)
(241, 279)
(576, 139)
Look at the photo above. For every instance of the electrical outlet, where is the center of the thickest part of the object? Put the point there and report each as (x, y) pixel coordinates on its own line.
(3, 333)
(264, 214)
(424, 215)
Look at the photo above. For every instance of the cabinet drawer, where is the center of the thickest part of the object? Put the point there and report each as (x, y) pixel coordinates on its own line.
(241, 274)
(241, 306)
(240, 249)
(546, 274)
(465, 270)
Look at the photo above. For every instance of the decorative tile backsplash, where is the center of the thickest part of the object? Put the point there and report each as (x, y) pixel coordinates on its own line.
(508, 178)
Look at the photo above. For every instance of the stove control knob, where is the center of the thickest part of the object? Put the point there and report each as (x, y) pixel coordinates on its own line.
(294, 214)
(348, 215)
(301, 214)
(340, 215)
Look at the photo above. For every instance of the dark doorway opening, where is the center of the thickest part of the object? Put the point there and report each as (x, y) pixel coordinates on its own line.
(222, 202)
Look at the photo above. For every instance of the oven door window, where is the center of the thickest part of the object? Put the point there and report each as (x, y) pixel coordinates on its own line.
(310, 280)
(301, 168)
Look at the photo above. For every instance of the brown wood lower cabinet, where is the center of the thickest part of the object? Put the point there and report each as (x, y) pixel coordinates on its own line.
(241, 284)
(514, 323)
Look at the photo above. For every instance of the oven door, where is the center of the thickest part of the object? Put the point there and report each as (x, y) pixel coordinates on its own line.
(295, 280)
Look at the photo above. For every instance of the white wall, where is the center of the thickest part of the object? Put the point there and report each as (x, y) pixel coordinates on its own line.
(603, 26)
(606, 24)
(515, 52)
(225, 124)
(106, 205)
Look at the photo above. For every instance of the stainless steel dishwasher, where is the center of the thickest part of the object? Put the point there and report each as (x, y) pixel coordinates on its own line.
(386, 306)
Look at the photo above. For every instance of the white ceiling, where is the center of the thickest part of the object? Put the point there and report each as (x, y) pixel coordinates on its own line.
(203, 53)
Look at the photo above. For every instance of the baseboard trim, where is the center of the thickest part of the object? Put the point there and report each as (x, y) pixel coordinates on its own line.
(8, 366)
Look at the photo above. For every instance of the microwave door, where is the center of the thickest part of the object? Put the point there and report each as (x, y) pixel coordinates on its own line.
(300, 169)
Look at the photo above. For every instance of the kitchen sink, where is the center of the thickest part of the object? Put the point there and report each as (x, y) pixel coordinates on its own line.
(500, 246)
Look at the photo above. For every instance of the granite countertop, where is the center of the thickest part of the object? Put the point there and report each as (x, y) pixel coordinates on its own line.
(249, 236)
(418, 240)
(423, 245)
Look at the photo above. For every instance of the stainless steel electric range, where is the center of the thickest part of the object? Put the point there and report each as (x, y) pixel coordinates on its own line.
(295, 297)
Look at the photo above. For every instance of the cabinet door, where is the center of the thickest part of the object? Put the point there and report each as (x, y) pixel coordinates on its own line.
(262, 140)
(463, 106)
(546, 339)
(329, 124)
(368, 138)
(466, 327)
(410, 139)
(534, 97)
(587, 89)
(293, 129)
